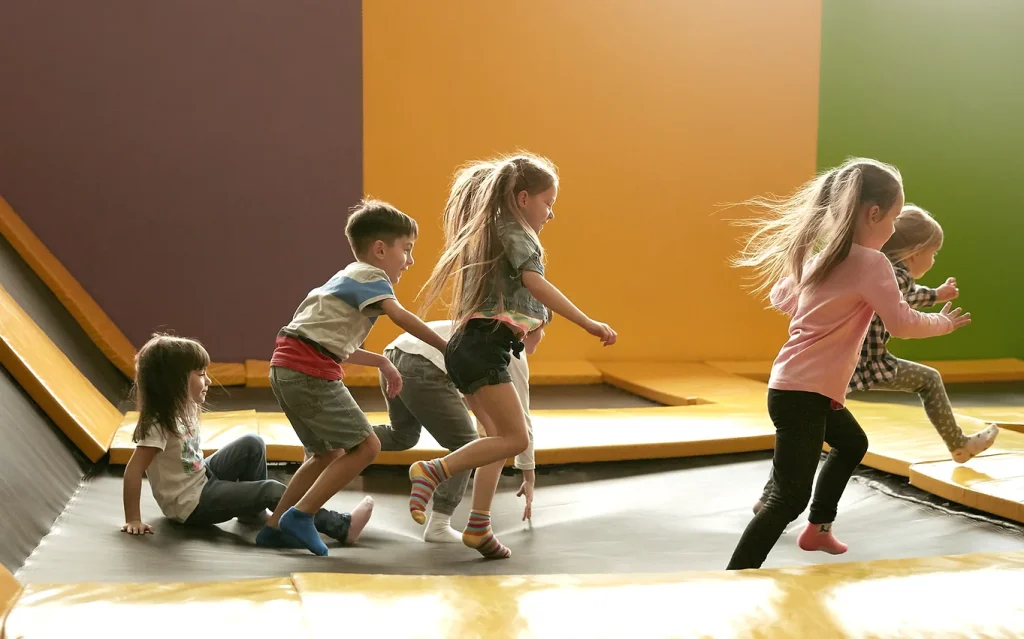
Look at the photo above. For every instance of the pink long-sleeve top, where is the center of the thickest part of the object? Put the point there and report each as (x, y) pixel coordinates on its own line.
(829, 322)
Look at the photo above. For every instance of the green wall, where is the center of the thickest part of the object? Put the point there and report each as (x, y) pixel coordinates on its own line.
(936, 87)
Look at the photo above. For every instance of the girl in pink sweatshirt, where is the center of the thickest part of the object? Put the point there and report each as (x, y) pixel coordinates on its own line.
(821, 247)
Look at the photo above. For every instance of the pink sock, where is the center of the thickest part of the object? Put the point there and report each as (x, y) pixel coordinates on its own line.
(820, 537)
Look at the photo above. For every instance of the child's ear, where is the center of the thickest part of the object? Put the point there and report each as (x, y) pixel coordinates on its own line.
(876, 214)
(521, 198)
(379, 248)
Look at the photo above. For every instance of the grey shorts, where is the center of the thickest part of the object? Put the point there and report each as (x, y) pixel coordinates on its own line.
(322, 412)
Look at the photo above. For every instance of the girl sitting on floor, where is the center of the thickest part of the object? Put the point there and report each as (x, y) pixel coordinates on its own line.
(170, 385)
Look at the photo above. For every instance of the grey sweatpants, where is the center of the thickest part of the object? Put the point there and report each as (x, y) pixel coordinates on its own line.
(912, 377)
(236, 483)
(428, 400)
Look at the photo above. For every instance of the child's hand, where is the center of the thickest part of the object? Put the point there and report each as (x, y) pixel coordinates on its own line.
(602, 331)
(526, 490)
(392, 377)
(137, 528)
(959, 321)
(947, 291)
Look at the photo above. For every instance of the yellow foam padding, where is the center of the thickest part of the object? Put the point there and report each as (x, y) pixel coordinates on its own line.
(900, 436)
(564, 373)
(216, 429)
(10, 589)
(979, 370)
(49, 377)
(283, 444)
(562, 437)
(759, 370)
(994, 483)
(249, 608)
(886, 598)
(683, 383)
(226, 374)
(952, 371)
(97, 324)
(257, 373)
(1008, 417)
(542, 373)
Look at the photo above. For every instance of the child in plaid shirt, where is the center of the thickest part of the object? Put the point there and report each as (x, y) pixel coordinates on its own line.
(912, 249)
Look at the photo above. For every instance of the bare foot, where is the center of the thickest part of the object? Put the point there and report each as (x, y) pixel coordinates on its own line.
(360, 517)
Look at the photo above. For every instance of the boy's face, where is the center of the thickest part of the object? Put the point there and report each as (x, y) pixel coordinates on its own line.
(393, 258)
(532, 340)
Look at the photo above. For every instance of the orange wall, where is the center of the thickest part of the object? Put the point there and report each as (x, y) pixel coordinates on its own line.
(655, 112)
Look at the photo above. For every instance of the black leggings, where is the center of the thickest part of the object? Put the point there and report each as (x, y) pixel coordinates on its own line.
(802, 422)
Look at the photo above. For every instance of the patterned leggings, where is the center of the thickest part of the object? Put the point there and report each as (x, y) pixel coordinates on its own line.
(912, 377)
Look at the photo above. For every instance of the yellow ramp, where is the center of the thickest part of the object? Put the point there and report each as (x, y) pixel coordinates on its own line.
(216, 429)
(542, 373)
(82, 307)
(251, 608)
(561, 437)
(97, 324)
(583, 436)
(894, 598)
(683, 383)
(10, 589)
(953, 371)
(49, 377)
(900, 436)
(993, 484)
(1006, 417)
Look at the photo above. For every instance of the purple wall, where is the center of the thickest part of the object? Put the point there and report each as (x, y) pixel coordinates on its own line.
(190, 162)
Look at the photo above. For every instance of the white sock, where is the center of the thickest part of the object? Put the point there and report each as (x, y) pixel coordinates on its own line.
(439, 530)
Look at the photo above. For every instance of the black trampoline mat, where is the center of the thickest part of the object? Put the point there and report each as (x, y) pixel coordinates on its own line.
(661, 516)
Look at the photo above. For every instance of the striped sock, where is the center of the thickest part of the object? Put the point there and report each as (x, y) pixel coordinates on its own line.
(425, 476)
(478, 535)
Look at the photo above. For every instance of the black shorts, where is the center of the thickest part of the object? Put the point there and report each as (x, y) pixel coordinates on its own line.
(479, 353)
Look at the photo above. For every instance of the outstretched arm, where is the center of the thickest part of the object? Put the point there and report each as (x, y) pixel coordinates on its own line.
(881, 290)
(548, 294)
(412, 324)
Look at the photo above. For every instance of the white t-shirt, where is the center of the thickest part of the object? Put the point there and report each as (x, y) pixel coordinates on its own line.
(178, 472)
(518, 369)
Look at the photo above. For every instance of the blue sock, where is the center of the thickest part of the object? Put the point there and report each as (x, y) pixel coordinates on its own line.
(275, 538)
(300, 525)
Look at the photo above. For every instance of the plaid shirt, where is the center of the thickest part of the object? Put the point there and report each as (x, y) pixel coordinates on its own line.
(876, 365)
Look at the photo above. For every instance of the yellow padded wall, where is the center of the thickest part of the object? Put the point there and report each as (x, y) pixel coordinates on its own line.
(656, 113)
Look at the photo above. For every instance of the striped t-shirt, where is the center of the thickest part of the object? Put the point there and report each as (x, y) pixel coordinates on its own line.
(338, 316)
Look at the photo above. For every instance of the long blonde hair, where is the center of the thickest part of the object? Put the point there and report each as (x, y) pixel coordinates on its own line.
(481, 194)
(916, 230)
(818, 220)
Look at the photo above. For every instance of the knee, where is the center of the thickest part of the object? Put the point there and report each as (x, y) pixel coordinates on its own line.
(932, 378)
(858, 446)
(517, 443)
(404, 440)
(271, 492)
(253, 444)
(789, 502)
(368, 449)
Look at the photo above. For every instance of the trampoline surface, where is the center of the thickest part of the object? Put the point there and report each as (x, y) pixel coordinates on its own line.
(627, 517)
